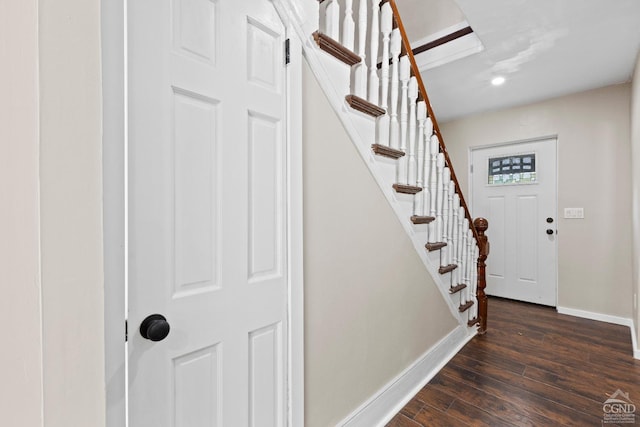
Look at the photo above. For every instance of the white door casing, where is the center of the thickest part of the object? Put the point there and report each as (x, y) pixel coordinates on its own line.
(523, 259)
(209, 247)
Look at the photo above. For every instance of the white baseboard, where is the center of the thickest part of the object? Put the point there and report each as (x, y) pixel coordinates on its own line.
(624, 321)
(388, 401)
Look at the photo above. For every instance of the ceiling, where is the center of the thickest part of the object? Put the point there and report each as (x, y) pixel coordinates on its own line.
(544, 49)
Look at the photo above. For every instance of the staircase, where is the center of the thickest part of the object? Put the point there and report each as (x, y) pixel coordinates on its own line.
(368, 60)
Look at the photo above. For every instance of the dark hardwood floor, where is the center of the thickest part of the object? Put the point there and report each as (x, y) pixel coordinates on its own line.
(534, 367)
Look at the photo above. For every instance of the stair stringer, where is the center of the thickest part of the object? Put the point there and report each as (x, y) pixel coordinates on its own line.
(334, 78)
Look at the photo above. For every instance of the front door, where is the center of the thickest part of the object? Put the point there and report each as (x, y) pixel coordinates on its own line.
(207, 213)
(514, 187)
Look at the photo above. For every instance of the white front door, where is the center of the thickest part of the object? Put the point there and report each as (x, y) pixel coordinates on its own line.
(207, 213)
(514, 187)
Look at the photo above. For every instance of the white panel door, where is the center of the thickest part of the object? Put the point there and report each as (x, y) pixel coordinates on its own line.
(207, 213)
(514, 187)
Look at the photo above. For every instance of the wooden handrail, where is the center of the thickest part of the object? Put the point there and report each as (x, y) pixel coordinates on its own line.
(436, 128)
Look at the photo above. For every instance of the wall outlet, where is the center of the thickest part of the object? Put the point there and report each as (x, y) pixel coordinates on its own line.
(574, 213)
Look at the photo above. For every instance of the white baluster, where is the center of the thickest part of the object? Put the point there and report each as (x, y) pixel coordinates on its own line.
(433, 180)
(405, 72)
(440, 196)
(348, 26)
(374, 82)
(470, 252)
(464, 257)
(474, 280)
(394, 128)
(428, 128)
(418, 208)
(425, 193)
(386, 26)
(454, 238)
(461, 218)
(433, 186)
(470, 265)
(446, 177)
(450, 227)
(332, 19)
(360, 70)
(413, 96)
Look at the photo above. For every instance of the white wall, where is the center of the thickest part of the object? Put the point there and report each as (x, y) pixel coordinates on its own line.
(635, 185)
(371, 307)
(594, 254)
(21, 355)
(441, 15)
(71, 213)
(50, 176)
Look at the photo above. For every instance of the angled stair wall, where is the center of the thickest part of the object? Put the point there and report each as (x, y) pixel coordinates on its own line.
(372, 308)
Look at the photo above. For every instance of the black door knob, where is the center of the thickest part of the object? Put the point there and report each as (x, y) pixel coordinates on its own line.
(549, 231)
(155, 327)
(549, 220)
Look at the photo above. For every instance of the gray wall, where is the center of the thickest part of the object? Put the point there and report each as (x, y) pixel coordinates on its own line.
(593, 129)
(50, 180)
(21, 356)
(371, 307)
(71, 213)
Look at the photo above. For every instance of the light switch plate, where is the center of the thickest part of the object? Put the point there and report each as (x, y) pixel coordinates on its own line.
(574, 213)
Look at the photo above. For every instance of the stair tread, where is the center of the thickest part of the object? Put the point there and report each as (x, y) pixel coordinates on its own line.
(383, 150)
(464, 307)
(447, 268)
(458, 288)
(406, 189)
(334, 48)
(435, 246)
(417, 219)
(473, 321)
(364, 106)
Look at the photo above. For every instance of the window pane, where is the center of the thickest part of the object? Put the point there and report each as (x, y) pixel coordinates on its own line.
(517, 169)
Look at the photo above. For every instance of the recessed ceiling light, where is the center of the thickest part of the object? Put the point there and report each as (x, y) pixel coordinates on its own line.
(497, 81)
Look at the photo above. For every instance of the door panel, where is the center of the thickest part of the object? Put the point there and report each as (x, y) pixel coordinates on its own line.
(207, 212)
(198, 382)
(196, 196)
(527, 232)
(522, 263)
(265, 377)
(497, 212)
(265, 207)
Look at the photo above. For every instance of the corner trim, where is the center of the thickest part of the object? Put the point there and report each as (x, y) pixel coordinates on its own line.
(634, 342)
(112, 19)
(380, 408)
(616, 320)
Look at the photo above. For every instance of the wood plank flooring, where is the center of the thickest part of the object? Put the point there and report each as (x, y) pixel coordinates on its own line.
(534, 367)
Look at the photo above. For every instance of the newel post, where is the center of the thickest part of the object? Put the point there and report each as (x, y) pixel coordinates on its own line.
(481, 226)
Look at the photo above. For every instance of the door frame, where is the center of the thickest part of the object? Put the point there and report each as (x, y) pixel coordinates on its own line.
(114, 121)
(470, 151)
